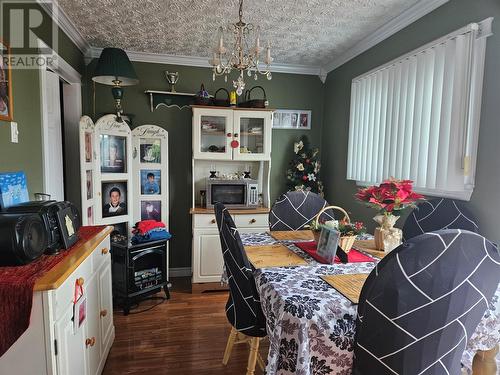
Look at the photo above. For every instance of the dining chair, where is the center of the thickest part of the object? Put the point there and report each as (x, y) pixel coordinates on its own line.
(243, 308)
(422, 302)
(295, 209)
(436, 214)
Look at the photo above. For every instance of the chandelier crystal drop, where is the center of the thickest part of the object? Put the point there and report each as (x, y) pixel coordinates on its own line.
(242, 57)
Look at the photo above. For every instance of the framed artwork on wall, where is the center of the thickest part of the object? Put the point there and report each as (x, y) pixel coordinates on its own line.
(292, 119)
(150, 149)
(6, 112)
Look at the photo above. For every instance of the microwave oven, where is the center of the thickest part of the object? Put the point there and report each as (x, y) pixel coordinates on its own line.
(241, 193)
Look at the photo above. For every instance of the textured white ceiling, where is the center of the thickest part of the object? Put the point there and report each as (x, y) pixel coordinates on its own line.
(300, 31)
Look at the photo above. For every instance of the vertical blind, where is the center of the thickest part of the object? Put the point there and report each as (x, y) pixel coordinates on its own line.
(411, 118)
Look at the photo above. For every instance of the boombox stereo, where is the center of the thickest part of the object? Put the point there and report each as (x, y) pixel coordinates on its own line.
(27, 230)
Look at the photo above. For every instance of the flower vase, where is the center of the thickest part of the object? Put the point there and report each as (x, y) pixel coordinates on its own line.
(387, 238)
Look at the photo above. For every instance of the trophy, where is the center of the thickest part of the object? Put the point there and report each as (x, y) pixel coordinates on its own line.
(172, 78)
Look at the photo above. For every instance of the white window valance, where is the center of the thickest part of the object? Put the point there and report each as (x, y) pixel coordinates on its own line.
(417, 117)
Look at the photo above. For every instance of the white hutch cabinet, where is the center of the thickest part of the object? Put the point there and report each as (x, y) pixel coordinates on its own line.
(230, 140)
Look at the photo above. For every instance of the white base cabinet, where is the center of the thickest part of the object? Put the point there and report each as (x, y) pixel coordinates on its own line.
(207, 254)
(51, 345)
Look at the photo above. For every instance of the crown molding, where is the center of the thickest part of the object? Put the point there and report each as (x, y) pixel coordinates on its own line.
(65, 24)
(202, 62)
(398, 23)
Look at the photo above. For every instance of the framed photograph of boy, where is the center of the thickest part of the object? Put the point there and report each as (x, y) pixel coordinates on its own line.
(292, 119)
(150, 150)
(114, 199)
(6, 111)
(151, 210)
(113, 154)
(150, 181)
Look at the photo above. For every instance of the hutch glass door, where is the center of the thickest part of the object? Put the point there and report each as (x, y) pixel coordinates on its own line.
(212, 133)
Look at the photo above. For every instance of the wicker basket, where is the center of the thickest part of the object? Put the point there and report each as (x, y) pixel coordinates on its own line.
(254, 103)
(221, 102)
(345, 242)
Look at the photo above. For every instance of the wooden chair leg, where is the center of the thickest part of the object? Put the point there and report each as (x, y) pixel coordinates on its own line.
(229, 346)
(261, 363)
(252, 357)
(484, 362)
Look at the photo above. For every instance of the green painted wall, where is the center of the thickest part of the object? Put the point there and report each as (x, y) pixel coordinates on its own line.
(449, 17)
(27, 154)
(283, 91)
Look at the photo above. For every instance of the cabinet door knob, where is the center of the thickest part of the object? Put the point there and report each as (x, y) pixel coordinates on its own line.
(104, 251)
(229, 135)
(104, 313)
(90, 342)
(213, 221)
(80, 281)
(235, 135)
(252, 221)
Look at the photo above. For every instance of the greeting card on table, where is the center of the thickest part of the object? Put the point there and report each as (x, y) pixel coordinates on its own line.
(13, 189)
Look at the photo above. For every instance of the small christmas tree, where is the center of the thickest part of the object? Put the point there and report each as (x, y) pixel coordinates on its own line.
(303, 172)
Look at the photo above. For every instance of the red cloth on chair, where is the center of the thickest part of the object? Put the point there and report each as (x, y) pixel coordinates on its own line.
(16, 290)
(353, 256)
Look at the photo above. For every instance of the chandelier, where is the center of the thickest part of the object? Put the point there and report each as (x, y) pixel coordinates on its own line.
(241, 57)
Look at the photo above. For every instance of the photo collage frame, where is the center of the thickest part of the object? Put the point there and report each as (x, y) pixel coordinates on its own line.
(292, 119)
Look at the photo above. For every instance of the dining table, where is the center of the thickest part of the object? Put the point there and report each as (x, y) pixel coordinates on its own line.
(311, 326)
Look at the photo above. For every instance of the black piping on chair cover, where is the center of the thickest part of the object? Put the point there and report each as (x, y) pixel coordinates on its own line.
(437, 214)
(422, 302)
(295, 209)
(243, 308)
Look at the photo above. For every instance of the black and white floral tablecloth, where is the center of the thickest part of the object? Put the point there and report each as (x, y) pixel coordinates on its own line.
(311, 326)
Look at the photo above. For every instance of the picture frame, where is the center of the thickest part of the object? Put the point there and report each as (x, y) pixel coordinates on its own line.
(328, 243)
(13, 189)
(114, 195)
(89, 184)
(151, 210)
(67, 227)
(6, 100)
(88, 147)
(150, 181)
(292, 119)
(113, 153)
(150, 150)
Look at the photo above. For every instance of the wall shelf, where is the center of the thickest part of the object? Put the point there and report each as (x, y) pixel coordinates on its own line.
(169, 99)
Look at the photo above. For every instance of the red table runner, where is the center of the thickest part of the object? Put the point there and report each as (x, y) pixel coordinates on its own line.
(16, 290)
(353, 256)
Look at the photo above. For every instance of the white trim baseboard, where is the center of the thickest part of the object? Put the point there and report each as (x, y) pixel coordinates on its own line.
(179, 272)
(398, 23)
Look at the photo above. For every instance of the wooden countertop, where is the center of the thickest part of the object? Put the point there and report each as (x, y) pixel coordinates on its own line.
(58, 274)
(236, 211)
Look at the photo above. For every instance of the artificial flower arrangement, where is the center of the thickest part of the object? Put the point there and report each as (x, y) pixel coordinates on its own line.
(390, 198)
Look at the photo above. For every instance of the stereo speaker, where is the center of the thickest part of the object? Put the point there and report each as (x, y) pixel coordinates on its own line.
(23, 238)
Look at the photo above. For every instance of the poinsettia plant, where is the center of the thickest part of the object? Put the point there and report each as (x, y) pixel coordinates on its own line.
(390, 196)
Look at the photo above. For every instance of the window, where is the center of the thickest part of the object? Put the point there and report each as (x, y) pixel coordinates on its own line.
(417, 117)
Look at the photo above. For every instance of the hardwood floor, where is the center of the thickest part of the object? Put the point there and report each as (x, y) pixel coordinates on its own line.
(185, 335)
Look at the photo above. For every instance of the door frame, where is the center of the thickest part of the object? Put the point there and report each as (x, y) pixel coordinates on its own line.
(72, 91)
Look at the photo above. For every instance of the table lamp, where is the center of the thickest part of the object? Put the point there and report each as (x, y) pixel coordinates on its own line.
(115, 69)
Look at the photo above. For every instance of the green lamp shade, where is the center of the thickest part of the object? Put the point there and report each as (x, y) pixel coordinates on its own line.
(114, 65)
